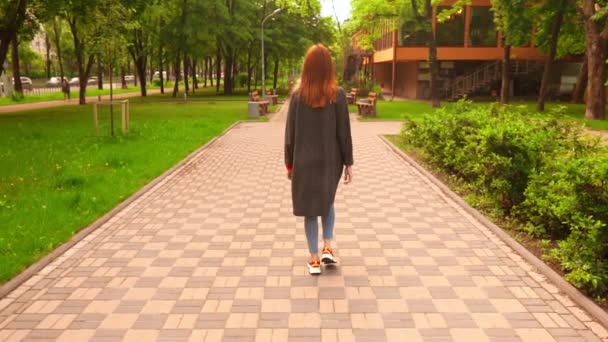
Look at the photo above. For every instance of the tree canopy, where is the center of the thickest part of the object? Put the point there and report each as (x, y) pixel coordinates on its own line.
(192, 39)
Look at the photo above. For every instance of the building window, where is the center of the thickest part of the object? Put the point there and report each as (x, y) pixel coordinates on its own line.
(482, 32)
(409, 36)
(451, 31)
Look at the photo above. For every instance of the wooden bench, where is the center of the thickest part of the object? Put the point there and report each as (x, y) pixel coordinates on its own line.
(351, 97)
(274, 99)
(254, 96)
(368, 107)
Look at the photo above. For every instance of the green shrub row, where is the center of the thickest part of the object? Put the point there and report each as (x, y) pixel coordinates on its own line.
(541, 172)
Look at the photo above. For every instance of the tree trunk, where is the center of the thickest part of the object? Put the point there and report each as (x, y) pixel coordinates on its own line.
(596, 57)
(58, 48)
(578, 95)
(16, 68)
(10, 28)
(151, 68)
(47, 43)
(177, 74)
(506, 75)
(211, 72)
(235, 70)
(434, 64)
(276, 73)
(83, 70)
(123, 81)
(549, 59)
(218, 69)
(186, 75)
(205, 71)
(160, 69)
(228, 63)
(249, 67)
(194, 76)
(140, 67)
(99, 74)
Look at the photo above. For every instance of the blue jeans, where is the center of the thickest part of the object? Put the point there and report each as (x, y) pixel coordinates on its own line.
(312, 229)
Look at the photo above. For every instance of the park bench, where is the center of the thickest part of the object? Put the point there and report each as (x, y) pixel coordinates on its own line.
(351, 97)
(367, 107)
(274, 99)
(262, 105)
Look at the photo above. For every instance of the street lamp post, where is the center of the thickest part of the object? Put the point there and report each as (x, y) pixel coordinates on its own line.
(277, 11)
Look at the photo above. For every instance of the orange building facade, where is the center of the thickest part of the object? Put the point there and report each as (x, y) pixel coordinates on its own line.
(467, 42)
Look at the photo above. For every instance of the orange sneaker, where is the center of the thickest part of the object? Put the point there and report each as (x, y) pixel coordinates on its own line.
(328, 257)
(314, 267)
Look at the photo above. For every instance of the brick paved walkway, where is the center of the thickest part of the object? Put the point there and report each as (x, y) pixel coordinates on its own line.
(214, 254)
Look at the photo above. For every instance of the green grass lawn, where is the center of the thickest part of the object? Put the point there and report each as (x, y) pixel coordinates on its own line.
(56, 176)
(5, 101)
(398, 110)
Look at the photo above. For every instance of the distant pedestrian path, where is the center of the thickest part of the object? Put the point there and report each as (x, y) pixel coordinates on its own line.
(73, 101)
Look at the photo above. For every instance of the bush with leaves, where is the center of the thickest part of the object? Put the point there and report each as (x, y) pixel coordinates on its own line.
(537, 170)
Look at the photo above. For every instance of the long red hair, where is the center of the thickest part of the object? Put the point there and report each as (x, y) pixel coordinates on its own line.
(318, 85)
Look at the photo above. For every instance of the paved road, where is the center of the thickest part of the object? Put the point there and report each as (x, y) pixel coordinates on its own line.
(213, 254)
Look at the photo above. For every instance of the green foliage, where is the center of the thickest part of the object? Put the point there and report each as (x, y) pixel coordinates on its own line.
(537, 170)
(17, 96)
(514, 19)
(242, 79)
(572, 36)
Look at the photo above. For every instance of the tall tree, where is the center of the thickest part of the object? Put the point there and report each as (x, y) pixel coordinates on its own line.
(513, 20)
(425, 19)
(82, 17)
(12, 16)
(16, 66)
(595, 17)
(557, 36)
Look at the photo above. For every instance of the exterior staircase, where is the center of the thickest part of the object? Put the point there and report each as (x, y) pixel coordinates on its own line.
(484, 76)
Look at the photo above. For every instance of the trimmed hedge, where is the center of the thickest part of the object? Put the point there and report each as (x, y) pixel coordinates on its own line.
(539, 171)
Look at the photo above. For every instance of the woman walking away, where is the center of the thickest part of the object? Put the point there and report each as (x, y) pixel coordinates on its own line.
(318, 147)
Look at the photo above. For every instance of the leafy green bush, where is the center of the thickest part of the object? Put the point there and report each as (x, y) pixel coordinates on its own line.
(537, 170)
(241, 79)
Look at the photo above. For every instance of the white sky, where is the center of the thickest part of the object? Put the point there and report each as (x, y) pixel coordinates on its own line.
(342, 8)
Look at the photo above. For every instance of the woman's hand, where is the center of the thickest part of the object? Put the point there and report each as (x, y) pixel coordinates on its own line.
(348, 174)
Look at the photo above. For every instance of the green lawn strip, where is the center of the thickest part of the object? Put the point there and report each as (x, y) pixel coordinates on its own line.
(57, 176)
(58, 95)
(415, 110)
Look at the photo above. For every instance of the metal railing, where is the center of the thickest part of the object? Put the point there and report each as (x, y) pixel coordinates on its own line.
(483, 76)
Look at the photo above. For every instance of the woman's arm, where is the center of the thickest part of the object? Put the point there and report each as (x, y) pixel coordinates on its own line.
(290, 130)
(343, 127)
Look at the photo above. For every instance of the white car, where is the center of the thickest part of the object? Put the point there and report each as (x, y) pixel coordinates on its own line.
(157, 75)
(54, 82)
(26, 83)
(129, 78)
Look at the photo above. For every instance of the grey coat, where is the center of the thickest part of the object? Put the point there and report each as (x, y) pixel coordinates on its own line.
(318, 145)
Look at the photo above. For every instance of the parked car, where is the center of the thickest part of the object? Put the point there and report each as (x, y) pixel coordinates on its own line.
(74, 81)
(26, 83)
(129, 78)
(92, 80)
(157, 75)
(54, 82)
